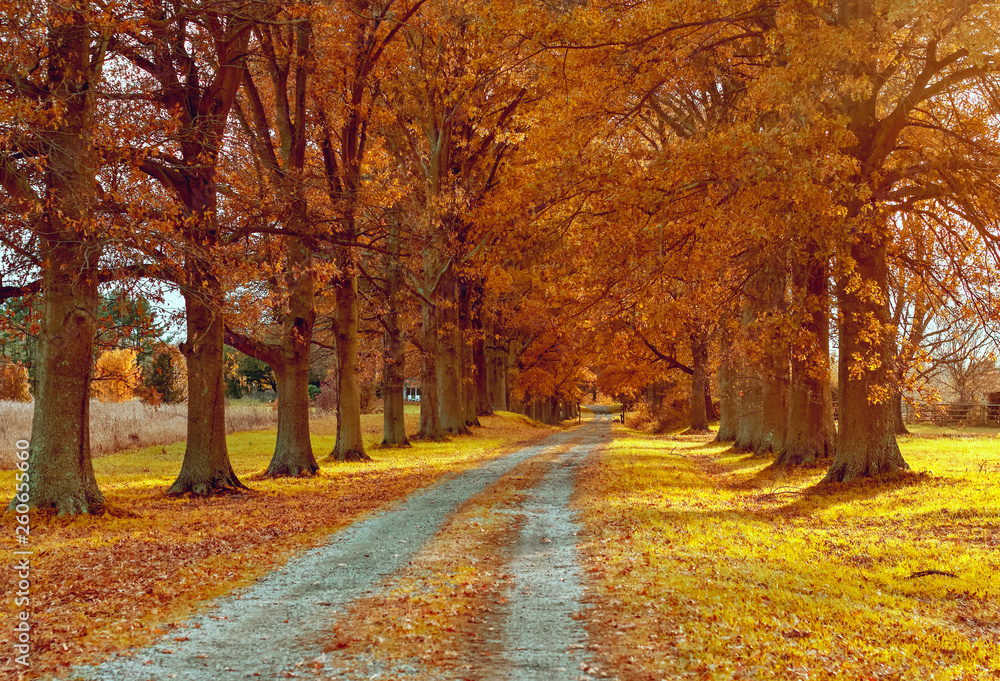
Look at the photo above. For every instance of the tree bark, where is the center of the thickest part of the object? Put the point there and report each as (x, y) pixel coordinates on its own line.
(289, 359)
(467, 331)
(811, 428)
(482, 371)
(776, 375)
(61, 474)
(206, 468)
(866, 444)
(898, 424)
(393, 419)
(430, 420)
(293, 453)
(699, 378)
(748, 386)
(710, 411)
(450, 393)
(350, 445)
(498, 383)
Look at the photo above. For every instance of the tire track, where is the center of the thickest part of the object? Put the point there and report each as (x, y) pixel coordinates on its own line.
(270, 628)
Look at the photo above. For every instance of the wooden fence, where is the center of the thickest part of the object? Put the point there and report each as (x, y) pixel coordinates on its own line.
(944, 414)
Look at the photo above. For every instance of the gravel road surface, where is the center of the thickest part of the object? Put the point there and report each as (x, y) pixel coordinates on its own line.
(266, 630)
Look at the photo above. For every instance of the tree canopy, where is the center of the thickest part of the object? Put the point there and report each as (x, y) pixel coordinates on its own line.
(778, 204)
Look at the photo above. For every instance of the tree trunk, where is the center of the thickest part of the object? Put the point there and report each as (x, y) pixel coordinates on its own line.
(280, 147)
(866, 443)
(393, 421)
(811, 429)
(728, 397)
(498, 383)
(898, 424)
(748, 382)
(293, 453)
(449, 369)
(751, 406)
(482, 372)
(430, 420)
(775, 379)
(774, 406)
(710, 411)
(206, 468)
(699, 378)
(467, 330)
(350, 446)
(61, 474)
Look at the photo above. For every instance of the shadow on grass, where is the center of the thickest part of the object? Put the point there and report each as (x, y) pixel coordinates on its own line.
(822, 495)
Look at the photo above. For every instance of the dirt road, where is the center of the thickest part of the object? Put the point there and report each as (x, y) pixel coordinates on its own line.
(270, 629)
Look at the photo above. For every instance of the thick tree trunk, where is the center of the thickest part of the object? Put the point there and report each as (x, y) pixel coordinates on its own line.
(61, 474)
(749, 382)
(750, 408)
(350, 445)
(450, 393)
(467, 331)
(394, 371)
(775, 379)
(499, 398)
(482, 371)
(430, 420)
(728, 396)
(699, 379)
(293, 453)
(811, 429)
(866, 443)
(206, 468)
(774, 406)
(393, 418)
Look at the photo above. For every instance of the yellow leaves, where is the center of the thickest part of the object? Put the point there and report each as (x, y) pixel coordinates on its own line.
(14, 383)
(697, 577)
(116, 376)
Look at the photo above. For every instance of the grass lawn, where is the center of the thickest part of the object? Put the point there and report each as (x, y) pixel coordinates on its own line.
(707, 564)
(101, 584)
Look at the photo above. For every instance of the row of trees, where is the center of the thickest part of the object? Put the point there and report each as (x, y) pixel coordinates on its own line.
(809, 164)
(297, 171)
(512, 191)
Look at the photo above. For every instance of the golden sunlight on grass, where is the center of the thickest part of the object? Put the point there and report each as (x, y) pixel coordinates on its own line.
(123, 426)
(105, 583)
(710, 565)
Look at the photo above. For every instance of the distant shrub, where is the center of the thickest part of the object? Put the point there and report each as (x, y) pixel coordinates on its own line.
(165, 377)
(116, 376)
(314, 391)
(14, 384)
(327, 398)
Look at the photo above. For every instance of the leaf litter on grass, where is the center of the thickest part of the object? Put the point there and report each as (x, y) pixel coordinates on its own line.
(107, 583)
(698, 573)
